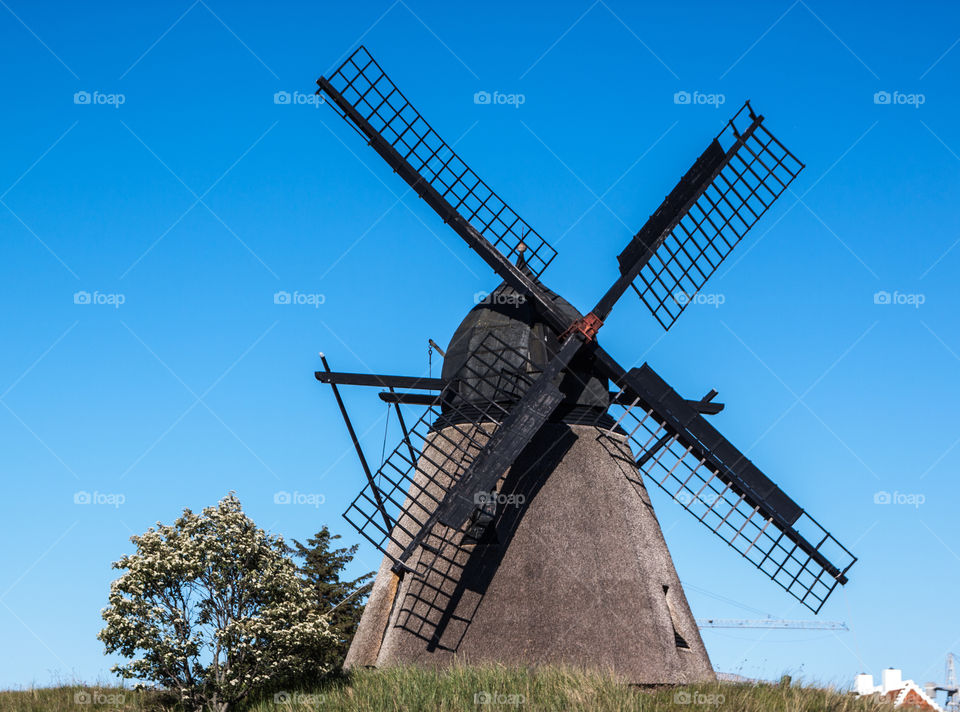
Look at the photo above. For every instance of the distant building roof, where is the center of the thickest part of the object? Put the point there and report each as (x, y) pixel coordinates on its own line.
(903, 693)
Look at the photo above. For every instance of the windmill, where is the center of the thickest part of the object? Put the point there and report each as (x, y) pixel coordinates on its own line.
(513, 515)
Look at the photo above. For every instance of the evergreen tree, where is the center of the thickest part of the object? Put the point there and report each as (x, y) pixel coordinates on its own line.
(321, 568)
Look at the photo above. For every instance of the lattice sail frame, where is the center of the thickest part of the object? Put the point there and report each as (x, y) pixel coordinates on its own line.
(367, 88)
(754, 171)
(757, 169)
(757, 525)
(437, 450)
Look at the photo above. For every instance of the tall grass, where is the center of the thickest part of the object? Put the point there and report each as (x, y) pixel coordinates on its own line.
(85, 698)
(483, 688)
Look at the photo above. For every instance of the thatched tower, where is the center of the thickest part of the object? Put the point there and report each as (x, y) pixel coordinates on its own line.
(572, 570)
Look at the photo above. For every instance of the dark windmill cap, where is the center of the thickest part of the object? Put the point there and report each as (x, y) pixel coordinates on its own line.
(508, 321)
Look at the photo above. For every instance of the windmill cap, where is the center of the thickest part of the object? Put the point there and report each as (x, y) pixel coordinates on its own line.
(509, 316)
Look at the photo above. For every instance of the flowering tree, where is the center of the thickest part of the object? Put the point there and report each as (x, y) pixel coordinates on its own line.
(213, 609)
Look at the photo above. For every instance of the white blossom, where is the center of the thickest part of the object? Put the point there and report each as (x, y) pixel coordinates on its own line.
(212, 608)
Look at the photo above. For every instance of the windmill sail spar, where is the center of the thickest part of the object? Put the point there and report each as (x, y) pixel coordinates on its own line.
(713, 206)
(368, 98)
(680, 451)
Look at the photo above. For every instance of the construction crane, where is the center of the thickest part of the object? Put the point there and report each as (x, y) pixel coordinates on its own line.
(771, 624)
(949, 686)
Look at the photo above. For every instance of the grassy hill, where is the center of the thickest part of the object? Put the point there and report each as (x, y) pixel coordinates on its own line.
(471, 688)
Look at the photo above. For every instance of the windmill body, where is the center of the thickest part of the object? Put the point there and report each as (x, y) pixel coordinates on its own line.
(513, 515)
(573, 545)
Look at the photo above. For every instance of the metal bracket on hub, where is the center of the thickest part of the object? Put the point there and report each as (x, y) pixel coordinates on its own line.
(588, 325)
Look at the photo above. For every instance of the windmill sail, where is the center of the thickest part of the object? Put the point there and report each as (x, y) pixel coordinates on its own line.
(730, 186)
(367, 98)
(422, 472)
(679, 450)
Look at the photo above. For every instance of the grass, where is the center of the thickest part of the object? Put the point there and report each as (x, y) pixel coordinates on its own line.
(471, 688)
(85, 698)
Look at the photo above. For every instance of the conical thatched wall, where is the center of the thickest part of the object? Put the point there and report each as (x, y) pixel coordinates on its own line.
(579, 575)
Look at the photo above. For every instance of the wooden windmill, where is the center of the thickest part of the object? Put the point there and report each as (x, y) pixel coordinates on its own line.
(513, 515)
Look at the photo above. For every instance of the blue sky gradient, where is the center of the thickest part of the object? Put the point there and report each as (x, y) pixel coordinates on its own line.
(192, 197)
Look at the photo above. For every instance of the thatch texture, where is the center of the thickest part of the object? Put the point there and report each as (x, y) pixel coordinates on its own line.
(579, 574)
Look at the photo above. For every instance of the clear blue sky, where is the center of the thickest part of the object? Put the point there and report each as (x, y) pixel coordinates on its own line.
(198, 197)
